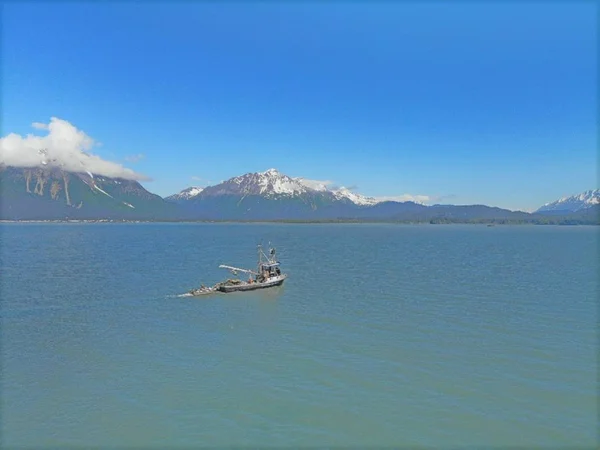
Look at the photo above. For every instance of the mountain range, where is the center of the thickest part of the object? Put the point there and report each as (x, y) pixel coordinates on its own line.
(52, 193)
(574, 203)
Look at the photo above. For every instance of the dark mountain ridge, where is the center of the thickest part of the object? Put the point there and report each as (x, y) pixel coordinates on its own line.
(50, 193)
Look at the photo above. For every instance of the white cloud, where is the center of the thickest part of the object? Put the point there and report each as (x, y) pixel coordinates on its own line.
(135, 158)
(64, 146)
(406, 198)
(327, 185)
(39, 126)
(317, 185)
(196, 178)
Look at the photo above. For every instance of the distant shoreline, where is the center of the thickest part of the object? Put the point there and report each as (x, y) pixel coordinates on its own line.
(481, 222)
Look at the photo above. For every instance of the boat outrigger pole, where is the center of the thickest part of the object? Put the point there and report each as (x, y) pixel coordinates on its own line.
(237, 269)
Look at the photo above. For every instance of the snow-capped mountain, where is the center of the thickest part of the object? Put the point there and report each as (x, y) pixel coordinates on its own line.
(268, 184)
(49, 192)
(273, 185)
(573, 203)
(186, 194)
(272, 195)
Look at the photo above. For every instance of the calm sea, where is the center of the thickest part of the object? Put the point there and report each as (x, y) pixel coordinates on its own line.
(383, 335)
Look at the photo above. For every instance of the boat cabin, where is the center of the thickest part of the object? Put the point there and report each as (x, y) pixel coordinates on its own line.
(266, 274)
(269, 270)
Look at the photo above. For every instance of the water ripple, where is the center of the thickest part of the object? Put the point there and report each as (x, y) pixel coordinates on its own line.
(382, 336)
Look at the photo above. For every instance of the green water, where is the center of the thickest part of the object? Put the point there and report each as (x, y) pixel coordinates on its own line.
(382, 336)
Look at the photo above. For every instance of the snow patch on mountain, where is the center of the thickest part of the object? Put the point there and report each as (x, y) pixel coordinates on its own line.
(191, 192)
(186, 194)
(272, 183)
(102, 190)
(357, 199)
(574, 203)
(268, 184)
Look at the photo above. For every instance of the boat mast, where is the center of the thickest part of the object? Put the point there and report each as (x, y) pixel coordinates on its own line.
(260, 262)
(263, 258)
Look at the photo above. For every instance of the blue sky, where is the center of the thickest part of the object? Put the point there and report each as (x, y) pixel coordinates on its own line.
(469, 102)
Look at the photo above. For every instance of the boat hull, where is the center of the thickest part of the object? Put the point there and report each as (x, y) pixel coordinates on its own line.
(245, 286)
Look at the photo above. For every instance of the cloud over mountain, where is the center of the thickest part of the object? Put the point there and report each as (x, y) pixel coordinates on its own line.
(424, 199)
(317, 185)
(64, 146)
(349, 191)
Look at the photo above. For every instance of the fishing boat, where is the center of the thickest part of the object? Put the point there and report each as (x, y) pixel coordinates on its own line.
(267, 274)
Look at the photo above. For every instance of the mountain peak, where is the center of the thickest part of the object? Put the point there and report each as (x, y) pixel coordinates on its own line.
(186, 194)
(271, 172)
(573, 203)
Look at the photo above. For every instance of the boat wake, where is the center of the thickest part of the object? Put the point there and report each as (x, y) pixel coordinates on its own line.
(203, 290)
